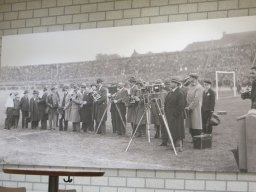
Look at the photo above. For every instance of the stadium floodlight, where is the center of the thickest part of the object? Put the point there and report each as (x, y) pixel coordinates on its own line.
(217, 85)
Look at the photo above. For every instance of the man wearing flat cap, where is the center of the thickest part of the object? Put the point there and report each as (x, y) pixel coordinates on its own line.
(208, 105)
(100, 107)
(33, 110)
(194, 105)
(174, 106)
(24, 106)
(131, 112)
(253, 91)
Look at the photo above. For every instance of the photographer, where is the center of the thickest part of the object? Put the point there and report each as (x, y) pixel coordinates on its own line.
(120, 101)
(132, 105)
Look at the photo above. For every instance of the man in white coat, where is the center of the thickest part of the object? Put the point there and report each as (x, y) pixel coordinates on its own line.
(194, 104)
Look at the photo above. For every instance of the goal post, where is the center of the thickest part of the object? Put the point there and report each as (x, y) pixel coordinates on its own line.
(217, 82)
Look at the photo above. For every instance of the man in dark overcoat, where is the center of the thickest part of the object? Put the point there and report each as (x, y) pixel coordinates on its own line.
(120, 102)
(208, 105)
(24, 106)
(16, 110)
(43, 109)
(63, 119)
(86, 110)
(174, 106)
(52, 100)
(100, 107)
(33, 110)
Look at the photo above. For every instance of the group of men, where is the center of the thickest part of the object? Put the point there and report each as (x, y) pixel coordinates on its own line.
(183, 102)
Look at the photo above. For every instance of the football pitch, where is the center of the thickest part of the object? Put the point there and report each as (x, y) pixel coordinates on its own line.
(73, 149)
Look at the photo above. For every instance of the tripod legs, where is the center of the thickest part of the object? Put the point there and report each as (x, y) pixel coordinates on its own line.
(102, 118)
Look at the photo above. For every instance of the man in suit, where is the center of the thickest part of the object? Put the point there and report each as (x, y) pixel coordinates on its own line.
(86, 110)
(120, 102)
(16, 110)
(253, 91)
(174, 106)
(33, 110)
(52, 101)
(132, 105)
(194, 105)
(62, 111)
(100, 107)
(24, 106)
(208, 105)
(43, 109)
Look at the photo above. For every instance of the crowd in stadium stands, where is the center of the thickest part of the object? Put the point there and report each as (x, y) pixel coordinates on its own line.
(147, 66)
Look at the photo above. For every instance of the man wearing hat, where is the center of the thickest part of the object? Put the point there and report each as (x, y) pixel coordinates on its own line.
(133, 93)
(194, 105)
(52, 101)
(24, 106)
(43, 109)
(64, 101)
(100, 107)
(208, 105)
(174, 106)
(16, 109)
(253, 91)
(33, 110)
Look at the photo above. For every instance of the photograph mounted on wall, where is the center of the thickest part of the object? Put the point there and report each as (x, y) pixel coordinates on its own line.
(170, 96)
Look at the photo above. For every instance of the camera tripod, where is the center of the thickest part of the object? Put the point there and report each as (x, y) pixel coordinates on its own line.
(105, 111)
(147, 112)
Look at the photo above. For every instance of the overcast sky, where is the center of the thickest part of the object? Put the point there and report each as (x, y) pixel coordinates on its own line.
(81, 45)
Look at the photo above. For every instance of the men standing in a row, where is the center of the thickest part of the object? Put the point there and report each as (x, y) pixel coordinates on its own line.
(194, 105)
(207, 106)
(253, 91)
(24, 106)
(174, 106)
(120, 102)
(33, 110)
(86, 110)
(100, 107)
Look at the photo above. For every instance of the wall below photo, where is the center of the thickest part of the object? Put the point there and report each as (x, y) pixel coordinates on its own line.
(35, 16)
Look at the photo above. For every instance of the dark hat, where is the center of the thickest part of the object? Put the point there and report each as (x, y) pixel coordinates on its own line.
(44, 89)
(35, 92)
(253, 67)
(132, 80)
(139, 82)
(207, 81)
(193, 75)
(16, 93)
(64, 88)
(53, 88)
(25, 92)
(99, 80)
(176, 80)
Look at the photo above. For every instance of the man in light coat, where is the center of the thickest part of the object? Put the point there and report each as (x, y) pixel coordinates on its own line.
(194, 105)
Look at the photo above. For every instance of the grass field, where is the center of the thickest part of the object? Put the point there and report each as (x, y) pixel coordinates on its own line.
(36, 147)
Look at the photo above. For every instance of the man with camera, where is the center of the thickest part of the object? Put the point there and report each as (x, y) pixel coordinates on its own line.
(120, 101)
(100, 107)
(131, 113)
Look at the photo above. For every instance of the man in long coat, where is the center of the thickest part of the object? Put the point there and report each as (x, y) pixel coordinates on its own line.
(43, 109)
(24, 106)
(174, 106)
(62, 111)
(194, 105)
(74, 116)
(33, 110)
(120, 102)
(52, 101)
(16, 110)
(86, 111)
(132, 105)
(207, 106)
(253, 91)
(100, 107)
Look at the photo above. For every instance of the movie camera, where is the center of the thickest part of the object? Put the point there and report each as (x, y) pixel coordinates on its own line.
(150, 92)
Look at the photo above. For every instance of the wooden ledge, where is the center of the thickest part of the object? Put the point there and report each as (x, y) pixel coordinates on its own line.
(54, 172)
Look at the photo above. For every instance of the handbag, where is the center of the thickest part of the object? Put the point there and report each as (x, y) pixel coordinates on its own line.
(214, 120)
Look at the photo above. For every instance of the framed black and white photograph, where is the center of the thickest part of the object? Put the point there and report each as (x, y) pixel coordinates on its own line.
(170, 96)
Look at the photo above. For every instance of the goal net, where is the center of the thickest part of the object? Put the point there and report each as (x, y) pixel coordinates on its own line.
(225, 84)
